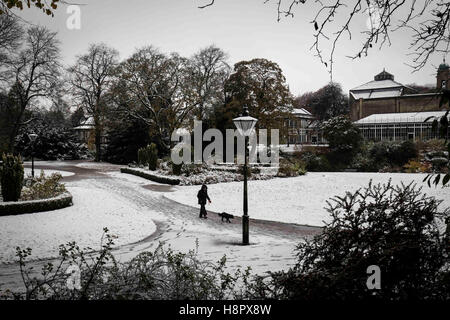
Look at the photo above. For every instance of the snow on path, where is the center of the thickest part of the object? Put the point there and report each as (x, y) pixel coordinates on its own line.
(94, 208)
(48, 172)
(178, 226)
(299, 200)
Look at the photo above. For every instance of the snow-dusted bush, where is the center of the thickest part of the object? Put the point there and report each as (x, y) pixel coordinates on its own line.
(154, 275)
(291, 169)
(43, 187)
(197, 174)
(342, 135)
(396, 228)
(150, 175)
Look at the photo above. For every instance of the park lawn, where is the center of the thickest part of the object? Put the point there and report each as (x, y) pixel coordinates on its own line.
(300, 200)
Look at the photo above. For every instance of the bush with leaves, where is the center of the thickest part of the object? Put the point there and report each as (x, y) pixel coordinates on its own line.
(394, 227)
(52, 143)
(387, 153)
(160, 274)
(43, 187)
(291, 168)
(316, 162)
(415, 166)
(11, 177)
(442, 125)
(342, 135)
(149, 155)
(125, 138)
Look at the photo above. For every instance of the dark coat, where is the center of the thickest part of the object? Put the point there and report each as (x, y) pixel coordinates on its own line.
(202, 196)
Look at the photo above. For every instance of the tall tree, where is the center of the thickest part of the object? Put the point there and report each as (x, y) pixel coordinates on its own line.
(207, 72)
(328, 102)
(35, 73)
(90, 79)
(153, 87)
(261, 86)
(304, 100)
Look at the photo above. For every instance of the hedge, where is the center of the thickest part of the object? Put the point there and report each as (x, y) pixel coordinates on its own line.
(15, 208)
(151, 176)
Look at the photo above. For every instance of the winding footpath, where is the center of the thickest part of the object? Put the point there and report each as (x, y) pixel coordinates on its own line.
(178, 226)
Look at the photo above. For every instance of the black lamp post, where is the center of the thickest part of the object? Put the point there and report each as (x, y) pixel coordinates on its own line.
(245, 125)
(32, 137)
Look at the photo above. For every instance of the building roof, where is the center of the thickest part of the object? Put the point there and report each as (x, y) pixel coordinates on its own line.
(404, 117)
(377, 93)
(301, 111)
(378, 84)
(383, 86)
(87, 124)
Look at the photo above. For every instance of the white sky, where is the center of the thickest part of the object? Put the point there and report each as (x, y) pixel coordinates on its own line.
(244, 29)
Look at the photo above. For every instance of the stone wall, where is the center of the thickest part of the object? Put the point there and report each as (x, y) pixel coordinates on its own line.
(409, 103)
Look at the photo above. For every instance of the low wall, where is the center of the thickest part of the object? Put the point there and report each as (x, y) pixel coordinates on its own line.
(151, 176)
(21, 207)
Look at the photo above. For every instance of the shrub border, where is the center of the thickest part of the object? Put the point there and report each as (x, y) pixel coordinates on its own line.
(21, 207)
(152, 177)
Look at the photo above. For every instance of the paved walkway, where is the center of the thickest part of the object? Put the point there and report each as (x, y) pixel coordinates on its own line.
(272, 243)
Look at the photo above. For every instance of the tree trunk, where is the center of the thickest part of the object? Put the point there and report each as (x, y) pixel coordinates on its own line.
(98, 137)
(15, 131)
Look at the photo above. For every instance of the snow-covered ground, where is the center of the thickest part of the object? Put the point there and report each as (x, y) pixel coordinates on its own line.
(131, 207)
(299, 200)
(93, 209)
(93, 165)
(48, 172)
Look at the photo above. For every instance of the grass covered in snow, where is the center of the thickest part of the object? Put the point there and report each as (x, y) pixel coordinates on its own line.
(299, 200)
(83, 222)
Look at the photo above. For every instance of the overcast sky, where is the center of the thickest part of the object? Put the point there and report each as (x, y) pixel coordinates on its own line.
(244, 29)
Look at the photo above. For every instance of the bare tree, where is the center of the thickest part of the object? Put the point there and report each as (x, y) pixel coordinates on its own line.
(152, 87)
(427, 20)
(10, 38)
(207, 72)
(90, 79)
(35, 73)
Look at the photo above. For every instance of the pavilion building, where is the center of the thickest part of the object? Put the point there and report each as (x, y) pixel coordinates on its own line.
(387, 110)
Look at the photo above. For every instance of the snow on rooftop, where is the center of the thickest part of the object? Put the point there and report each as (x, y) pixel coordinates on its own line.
(383, 93)
(378, 84)
(404, 117)
(87, 124)
(301, 111)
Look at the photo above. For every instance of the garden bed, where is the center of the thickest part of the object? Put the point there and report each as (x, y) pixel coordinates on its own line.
(202, 174)
(146, 174)
(21, 207)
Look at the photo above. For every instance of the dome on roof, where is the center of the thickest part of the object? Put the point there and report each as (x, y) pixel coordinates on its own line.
(384, 76)
(444, 66)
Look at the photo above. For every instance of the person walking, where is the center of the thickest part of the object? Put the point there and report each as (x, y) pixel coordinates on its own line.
(202, 196)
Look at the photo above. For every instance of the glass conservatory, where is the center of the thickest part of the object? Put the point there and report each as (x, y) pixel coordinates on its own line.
(399, 126)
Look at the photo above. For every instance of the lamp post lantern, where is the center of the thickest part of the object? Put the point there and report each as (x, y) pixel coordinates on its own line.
(245, 125)
(32, 137)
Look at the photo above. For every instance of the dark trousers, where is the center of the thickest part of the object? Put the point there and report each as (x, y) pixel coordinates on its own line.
(202, 211)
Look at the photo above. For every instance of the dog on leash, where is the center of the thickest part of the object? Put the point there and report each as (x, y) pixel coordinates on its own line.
(226, 216)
